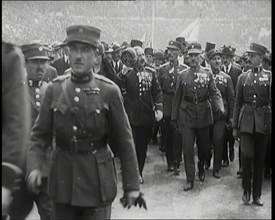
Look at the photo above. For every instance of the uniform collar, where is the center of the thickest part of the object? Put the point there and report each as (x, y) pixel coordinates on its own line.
(257, 69)
(35, 83)
(83, 78)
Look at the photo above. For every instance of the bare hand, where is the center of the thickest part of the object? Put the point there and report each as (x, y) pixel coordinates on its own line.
(34, 181)
(133, 198)
(6, 200)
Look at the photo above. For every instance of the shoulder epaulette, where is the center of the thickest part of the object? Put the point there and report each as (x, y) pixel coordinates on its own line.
(150, 69)
(206, 68)
(184, 70)
(61, 78)
(103, 78)
(184, 65)
(165, 64)
(267, 71)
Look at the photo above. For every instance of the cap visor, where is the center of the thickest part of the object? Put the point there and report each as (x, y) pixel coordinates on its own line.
(39, 58)
(194, 51)
(251, 51)
(172, 47)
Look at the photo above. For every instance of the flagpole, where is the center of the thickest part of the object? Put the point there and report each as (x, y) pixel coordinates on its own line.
(153, 23)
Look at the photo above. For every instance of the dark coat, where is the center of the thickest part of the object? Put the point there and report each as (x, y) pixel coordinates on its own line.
(60, 65)
(15, 114)
(119, 68)
(252, 108)
(97, 116)
(202, 86)
(234, 73)
(142, 95)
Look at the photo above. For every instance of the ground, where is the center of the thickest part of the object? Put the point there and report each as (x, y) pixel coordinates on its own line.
(212, 199)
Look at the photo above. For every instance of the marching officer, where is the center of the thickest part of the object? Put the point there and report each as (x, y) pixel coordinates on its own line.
(252, 121)
(15, 122)
(36, 58)
(142, 101)
(225, 86)
(168, 75)
(192, 112)
(85, 113)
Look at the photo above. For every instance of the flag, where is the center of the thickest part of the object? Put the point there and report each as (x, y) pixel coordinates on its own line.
(191, 32)
(142, 39)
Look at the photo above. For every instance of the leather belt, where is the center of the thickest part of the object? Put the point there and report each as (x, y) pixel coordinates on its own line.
(195, 99)
(256, 103)
(81, 145)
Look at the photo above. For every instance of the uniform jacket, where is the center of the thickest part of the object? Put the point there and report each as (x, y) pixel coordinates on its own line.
(60, 65)
(142, 95)
(89, 178)
(225, 86)
(168, 76)
(201, 85)
(234, 72)
(15, 115)
(252, 103)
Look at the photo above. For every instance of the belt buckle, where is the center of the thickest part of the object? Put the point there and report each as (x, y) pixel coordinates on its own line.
(195, 100)
(254, 103)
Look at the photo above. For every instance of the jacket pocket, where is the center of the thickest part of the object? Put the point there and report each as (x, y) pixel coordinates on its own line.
(59, 110)
(107, 175)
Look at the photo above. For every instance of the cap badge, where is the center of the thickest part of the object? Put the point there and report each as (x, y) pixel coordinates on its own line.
(40, 48)
(193, 46)
(80, 30)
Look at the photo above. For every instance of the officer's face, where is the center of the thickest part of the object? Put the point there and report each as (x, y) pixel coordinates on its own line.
(172, 54)
(116, 56)
(194, 59)
(254, 60)
(36, 68)
(82, 57)
(216, 62)
(140, 56)
(149, 58)
(227, 59)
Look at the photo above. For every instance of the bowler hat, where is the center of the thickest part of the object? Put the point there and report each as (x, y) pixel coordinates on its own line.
(136, 43)
(209, 46)
(212, 53)
(174, 45)
(149, 50)
(257, 48)
(35, 51)
(194, 48)
(228, 51)
(84, 34)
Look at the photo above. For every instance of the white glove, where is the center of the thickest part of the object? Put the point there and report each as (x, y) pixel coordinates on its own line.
(6, 200)
(158, 115)
(34, 181)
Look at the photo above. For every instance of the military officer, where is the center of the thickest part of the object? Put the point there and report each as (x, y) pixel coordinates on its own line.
(252, 121)
(149, 54)
(192, 112)
(36, 57)
(225, 86)
(84, 111)
(168, 75)
(142, 101)
(15, 122)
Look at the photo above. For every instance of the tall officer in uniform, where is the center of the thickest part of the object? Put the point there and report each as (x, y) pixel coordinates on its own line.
(168, 76)
(252, 121)
(85, 113)
(192, 112)
(36, 57)
(225, 86)
(15, 122)
(142, 101)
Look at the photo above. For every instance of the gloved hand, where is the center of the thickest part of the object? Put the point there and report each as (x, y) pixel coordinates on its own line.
(6, 200)
(34, 181)
(133, 198)
(158, 115)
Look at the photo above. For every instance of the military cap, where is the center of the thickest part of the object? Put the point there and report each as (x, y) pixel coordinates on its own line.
(84, 34)
(212, 53)
(159, 55)
(194, 48)
(136, 43)
(149, 50)
(229, 51)
(257, 48)
(174, 45)
(34, 51)
(209, 46)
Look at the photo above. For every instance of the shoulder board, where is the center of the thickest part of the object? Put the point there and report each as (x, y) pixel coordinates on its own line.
(184, 65)
(206, 68)
(61, 78)
(267, 71)
(150, 69)
(103, 78)
(165, 64)
(184, 70)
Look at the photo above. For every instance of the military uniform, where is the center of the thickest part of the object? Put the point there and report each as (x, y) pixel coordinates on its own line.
(142, 96)
(15, 130)
(252, 117)
(193, 112)
(168, 76)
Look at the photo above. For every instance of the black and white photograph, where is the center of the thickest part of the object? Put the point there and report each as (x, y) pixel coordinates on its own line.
(136, 109)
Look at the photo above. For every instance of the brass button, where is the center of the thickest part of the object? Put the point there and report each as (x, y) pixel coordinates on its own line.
(38, 104)
(37, 90)
(37, 96)
(76, 99)
(97, 111)
(77, 90)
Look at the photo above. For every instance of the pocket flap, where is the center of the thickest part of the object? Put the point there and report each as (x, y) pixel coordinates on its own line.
(96, 108)
(183, 105)
(59, 106)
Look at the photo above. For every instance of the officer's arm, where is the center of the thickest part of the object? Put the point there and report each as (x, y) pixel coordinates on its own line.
(157, 93)
(123, 140)
(230, 96)
(42, 132)
(177, 98)
(238, 102)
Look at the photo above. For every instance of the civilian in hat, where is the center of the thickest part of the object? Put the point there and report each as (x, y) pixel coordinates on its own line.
(15, 124)
(116, 64)
(143, 102)
(149, 54)
(209, 46)
(230, 68)
(217, 131)
(63, 63)
(168, 76)
(192, 112)
(85, 112)
(108, 53)
(182, 53)
(36, 57)
(135, 43)
(267, 61)
(252, 121)
(158, 59)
